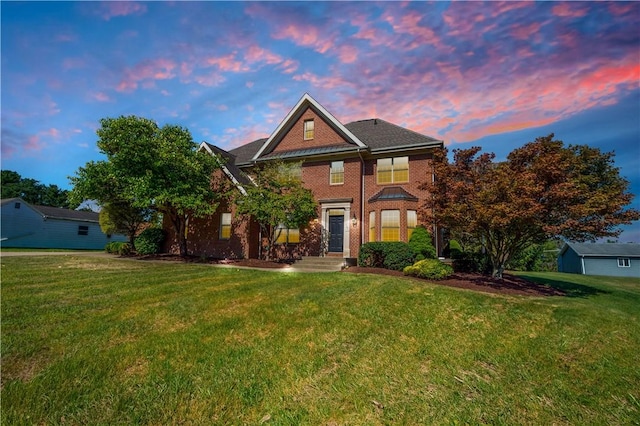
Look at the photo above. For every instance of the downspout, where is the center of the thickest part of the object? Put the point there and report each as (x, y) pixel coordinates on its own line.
(361, 199)
(582, 262)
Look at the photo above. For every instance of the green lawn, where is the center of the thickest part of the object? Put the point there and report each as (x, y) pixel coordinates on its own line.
(107, 341)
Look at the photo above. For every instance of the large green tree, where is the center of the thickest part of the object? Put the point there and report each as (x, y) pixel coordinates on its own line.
(277, 200)
(543, 190)
(153, 167)
(33, 192)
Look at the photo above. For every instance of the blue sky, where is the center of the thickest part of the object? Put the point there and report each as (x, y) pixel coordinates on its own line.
(490, 74)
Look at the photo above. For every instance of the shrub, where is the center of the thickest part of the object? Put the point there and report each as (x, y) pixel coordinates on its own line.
(388, 255)
(421, 244)
(118, 247)
(453, 250)
(431, 269)
(149, 241)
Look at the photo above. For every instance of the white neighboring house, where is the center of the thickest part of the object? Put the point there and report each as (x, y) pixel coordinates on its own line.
(610, 259)
(28, 226)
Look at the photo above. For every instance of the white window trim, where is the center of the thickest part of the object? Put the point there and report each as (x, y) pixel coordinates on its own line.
(304, 129)
(393, 175)
(331, 173)
(624, 262)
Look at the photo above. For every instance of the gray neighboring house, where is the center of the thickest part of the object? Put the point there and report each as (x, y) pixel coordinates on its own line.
(29, 226)
(611, 259)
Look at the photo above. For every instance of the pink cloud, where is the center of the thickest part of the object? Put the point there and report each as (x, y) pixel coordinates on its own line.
(525, 32)
(289, 66)
(112, 9)
(147, 72)
(567, 10)
(258, 54)
(209, 80)
(227, 63)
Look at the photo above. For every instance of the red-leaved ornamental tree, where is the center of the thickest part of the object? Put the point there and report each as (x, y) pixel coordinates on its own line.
(544, 190)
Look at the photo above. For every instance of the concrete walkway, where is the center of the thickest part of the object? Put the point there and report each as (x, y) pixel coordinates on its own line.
(53, 253)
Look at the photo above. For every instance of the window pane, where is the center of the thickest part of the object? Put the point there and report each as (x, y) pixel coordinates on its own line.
(294, 236)
(308, 129)
(401, 169)
(390, 225)
(412, 222)
(282, 237)
(337, 172)
(372, 226)
(225, 226)
(385, 170)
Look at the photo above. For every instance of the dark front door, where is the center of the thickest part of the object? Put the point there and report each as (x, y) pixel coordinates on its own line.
(336, 233)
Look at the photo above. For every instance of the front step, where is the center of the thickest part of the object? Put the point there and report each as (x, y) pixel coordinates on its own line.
(318, 264)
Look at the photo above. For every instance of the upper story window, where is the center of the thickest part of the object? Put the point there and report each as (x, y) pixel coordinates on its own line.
(393, 170)
(83, 230)
(16, 205)
(308, 130)
(337, 173)
(225, 226)
(624, 262)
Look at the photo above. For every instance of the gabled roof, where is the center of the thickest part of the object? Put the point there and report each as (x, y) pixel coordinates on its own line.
(237, 176)
(393, 193)
(603, 249)
(285, 125)
(57, 212)
(374, 135)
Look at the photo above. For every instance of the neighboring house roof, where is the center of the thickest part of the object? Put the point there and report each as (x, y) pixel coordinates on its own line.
(58, 212)
(393, 193)
(603, 249)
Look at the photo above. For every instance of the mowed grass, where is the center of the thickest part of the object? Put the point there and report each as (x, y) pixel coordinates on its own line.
(88, 340)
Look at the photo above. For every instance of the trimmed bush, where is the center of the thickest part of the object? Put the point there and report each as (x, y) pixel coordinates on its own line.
(388, 255)
(421, 244)
(149, 241)
(431, 269)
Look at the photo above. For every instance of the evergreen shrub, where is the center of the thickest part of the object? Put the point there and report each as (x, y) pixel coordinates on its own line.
(389, 255)
(431, 269)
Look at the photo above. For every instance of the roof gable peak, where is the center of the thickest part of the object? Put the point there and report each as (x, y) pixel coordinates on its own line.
(305, 102)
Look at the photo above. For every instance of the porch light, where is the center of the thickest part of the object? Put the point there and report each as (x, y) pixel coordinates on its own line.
(354, 220)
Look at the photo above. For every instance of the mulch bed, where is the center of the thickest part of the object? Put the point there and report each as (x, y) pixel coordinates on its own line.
(509, 285)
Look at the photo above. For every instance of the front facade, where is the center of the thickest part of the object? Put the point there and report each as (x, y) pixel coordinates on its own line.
(29, 226)
(614, 260)
(366, 177)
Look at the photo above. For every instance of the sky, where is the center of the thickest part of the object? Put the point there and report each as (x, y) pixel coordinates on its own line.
(495, 75)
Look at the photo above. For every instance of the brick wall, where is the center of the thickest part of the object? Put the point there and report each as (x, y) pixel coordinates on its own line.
(324, 135)
(420, 171)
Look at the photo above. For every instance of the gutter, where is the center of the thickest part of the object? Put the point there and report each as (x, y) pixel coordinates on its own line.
(362, 167)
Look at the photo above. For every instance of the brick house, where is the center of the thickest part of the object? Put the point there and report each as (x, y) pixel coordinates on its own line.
(365, 176)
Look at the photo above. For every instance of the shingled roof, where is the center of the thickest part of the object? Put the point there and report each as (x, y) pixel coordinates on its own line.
(377, 134)
(380, 135)
(57, 212)
(603, 249)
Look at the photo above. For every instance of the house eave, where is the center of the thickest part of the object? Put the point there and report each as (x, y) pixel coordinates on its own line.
(405, 148)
